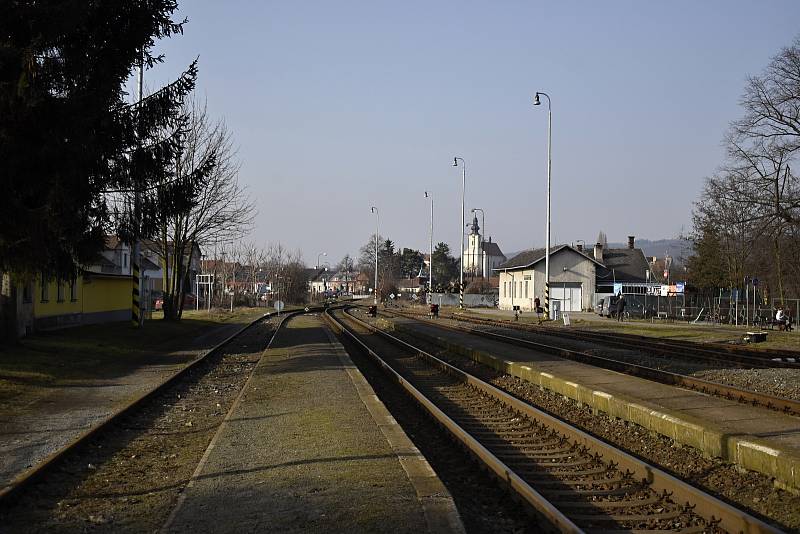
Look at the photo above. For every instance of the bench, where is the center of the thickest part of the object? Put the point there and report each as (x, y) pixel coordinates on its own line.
(661, 316)
(772, 323)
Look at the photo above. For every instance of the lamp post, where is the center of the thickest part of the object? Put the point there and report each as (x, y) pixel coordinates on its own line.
(536, 102)
(482, 253)
(461, 240)
(377, 225)
(430, 257)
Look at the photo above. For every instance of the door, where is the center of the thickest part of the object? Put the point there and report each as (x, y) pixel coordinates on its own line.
(568, 294)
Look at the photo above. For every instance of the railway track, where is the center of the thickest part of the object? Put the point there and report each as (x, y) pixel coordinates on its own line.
(728, 354)
(577, 482)
(788, 406)
(111, 425)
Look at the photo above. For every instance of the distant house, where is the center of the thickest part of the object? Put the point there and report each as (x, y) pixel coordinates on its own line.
(317, 281)
(577, 278)
(411, 286)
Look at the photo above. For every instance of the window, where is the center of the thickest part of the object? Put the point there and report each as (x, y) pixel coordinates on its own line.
(45, 289)
(73, 290)
(60, 287)
(505, 289)
(526, 289)
(125, 260)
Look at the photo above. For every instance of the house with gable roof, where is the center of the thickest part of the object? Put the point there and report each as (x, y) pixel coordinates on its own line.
(577, 277)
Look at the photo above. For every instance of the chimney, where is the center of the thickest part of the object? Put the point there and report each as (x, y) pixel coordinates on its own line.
(598, 252)
(580, 247)
(630, 241)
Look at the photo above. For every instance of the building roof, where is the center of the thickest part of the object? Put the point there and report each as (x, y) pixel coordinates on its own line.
(623, 264)
(492, 249)
(528, 258)
(148, 265)
(313, 274)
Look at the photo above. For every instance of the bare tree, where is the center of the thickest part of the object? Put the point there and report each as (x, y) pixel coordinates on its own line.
(753, 203)
(287, 274)
(220, 209)
(366, 257)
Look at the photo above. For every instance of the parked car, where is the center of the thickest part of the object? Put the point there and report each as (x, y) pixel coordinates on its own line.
(598, 308)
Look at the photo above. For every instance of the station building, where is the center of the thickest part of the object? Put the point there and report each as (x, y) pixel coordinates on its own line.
(102, 292)
(578, 279)
(93, 297)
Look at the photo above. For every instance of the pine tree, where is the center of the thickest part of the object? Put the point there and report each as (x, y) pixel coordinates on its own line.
(73, 149)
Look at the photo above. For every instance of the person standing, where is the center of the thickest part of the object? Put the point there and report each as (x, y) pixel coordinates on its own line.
(780, 318)
(620, 307)
(538, 309)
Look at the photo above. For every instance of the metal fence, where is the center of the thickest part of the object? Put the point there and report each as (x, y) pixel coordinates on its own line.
(711, 310)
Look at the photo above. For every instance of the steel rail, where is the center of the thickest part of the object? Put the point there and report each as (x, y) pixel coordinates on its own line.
(501, 470)
(716, 352)
(9, 493)
(781, 404)
(707, 506)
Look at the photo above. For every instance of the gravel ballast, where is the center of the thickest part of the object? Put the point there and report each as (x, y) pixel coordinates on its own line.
(753, 492)
(127, 478)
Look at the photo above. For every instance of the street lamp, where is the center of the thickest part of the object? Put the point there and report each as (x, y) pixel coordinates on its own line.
(482, 252)
(377, 225)
(430, 257)
(536, 102)
(461, 240)
(318, 255)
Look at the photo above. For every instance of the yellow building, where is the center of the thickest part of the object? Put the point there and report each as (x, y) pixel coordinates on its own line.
(92, 298)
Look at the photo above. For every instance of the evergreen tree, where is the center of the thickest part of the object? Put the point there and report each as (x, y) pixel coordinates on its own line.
(73, 150)
(706, 266)
(445, 267)
(411, 262)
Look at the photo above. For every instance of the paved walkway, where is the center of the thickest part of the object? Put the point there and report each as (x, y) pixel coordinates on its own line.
(35, 431)
(309, 448)
(756, 438)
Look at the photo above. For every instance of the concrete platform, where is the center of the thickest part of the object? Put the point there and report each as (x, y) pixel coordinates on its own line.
(754, 438)
(308, 447)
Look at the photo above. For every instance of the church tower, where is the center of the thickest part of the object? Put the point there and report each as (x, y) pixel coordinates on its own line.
(473, 256)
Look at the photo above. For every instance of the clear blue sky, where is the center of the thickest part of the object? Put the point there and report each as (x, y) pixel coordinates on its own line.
(337, 106)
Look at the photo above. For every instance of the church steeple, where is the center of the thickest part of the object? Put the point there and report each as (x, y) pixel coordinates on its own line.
(475, 228)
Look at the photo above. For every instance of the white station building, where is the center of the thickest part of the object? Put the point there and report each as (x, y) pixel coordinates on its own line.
(577, 279)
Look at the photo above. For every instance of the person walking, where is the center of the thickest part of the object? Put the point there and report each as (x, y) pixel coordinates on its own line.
(538, 309)
(620, 307)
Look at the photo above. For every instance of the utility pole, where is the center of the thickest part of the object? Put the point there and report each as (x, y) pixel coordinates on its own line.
(536, 102)
(430, 257)
(377, 227)
(136, 311)
(461, 239)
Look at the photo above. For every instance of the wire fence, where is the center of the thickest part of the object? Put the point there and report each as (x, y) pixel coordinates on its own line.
(716, 310)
